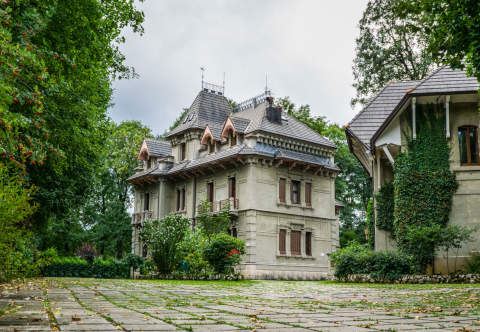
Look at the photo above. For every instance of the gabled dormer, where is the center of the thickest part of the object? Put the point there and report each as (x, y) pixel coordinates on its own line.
(152, 152)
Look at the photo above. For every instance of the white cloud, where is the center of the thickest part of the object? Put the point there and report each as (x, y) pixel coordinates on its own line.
(305, 46)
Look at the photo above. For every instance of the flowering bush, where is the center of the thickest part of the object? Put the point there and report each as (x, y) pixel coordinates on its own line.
(224, 253)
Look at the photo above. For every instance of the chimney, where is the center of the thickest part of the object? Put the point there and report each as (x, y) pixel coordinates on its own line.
(274, 113)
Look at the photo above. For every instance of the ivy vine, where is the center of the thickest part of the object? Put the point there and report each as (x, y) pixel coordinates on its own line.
(385, 207)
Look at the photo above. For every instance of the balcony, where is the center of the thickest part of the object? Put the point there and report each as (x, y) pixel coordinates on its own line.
(217, 206)
(139, 218)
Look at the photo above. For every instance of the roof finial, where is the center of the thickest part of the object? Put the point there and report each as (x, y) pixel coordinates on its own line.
(203, 71)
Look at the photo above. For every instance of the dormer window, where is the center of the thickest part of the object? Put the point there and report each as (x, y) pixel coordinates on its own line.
(183, 151)
(232, 138)
(149, 163)
(211, 146)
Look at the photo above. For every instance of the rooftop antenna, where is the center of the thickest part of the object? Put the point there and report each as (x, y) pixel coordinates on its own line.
(223, 86)
(266, 84)
(203, 71)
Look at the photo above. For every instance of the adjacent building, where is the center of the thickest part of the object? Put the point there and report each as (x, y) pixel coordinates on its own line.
(379, 132)
(276, 175)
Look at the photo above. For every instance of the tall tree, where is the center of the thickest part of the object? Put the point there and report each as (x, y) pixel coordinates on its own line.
(388, 48)
(60, 60)
(453, 30)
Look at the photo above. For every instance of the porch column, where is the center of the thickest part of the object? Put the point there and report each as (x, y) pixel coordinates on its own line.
(447, 115)
(414, 118)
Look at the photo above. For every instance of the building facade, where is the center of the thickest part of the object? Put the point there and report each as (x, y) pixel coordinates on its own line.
(380, 131)
(276, 175)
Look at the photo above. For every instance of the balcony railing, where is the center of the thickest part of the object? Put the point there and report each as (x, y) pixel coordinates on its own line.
(217, 206)
(141, 217)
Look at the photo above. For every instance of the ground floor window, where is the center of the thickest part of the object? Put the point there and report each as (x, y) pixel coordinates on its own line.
(295, 242)
(308, 243)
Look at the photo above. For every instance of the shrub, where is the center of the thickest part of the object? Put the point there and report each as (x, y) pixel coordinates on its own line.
(133, 261)
(78, 267)
(473, 264)
(195, 265)
(163, 238)
(224, 253)
(87, 252)
(370, 223)
(381, 265)
(213, 223)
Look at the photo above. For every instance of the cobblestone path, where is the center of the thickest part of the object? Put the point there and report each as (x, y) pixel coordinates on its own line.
(126, 305)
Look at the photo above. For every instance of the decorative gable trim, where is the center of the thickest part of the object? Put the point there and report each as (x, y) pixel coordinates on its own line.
(143, 151)
(228, 126)
(206, 135)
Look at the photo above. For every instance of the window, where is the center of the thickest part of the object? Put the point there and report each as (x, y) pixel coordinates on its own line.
(210, 194)
(295, 242)
(295, 192)
(144, 251)
(149, 163)
(308, 194)
(468, 144)
(146, 202)
(178, 199)
(183, 151)
(232, 188)
(211, 146)
(233, 232)
(183, 199)
(282, 238)
(308, 243)
(233, 138)
(281, 190)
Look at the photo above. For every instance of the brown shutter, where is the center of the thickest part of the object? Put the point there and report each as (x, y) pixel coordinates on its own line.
(282, 190)
(231, 187)
(308, 243)
(183, 199)
(291, 192)
(282, 237)
(295, 242)
(178, 199)
(308, 194)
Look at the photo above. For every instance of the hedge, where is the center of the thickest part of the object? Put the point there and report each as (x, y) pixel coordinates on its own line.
(77, 267)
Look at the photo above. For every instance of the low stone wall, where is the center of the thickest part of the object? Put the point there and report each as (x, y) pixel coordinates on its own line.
(419, 279)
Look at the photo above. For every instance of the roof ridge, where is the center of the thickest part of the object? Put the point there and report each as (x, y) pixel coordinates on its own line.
(427, 77)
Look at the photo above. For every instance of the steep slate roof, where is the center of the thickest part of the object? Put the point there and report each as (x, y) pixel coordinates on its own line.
(207, 108)
(289, 127)
(365, 124)
(157, 148)
(446, 80)
(240, 123)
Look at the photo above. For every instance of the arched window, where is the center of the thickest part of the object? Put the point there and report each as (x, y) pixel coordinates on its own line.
(468, 145)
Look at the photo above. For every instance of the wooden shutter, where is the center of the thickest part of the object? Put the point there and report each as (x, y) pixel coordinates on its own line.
(281, 191)
(291, 192)
(308, 243)
(231, 188)
(282, 237)
(295, 242)
(308, 194)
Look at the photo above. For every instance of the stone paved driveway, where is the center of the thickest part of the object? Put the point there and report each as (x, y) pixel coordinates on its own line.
(126, 305)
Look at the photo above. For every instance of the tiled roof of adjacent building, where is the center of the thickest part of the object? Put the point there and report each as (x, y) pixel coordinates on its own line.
(207, 108)
(158, 148)
(444, 80)
(368, 121)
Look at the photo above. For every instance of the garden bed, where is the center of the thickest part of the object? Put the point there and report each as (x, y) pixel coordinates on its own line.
(417, 279)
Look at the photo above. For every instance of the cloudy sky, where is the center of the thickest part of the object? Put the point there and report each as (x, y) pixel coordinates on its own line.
(305, 47)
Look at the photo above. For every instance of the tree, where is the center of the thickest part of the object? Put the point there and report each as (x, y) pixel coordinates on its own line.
(213, 223)
(453, 30)
(59, 59)
(163, 238)
(388, 48)
(15, 207)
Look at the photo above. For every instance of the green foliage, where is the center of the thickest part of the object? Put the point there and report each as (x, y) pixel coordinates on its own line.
(195, 264)
(453, 237)
(133, 261)
(380, 265)
(453, 30)
(162, 237)
(224, 253)
(78, 267)
(385, 207)
(424, 187)
(473, 264)
(15, 208)
(388, 48)
(371, 224)
(213, 223)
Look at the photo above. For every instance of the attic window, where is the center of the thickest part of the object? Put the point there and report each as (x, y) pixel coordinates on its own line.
(232, 138)
(211, 146)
